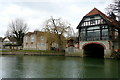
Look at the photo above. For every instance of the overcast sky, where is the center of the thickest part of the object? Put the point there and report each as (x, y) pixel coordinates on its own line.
(35, 12)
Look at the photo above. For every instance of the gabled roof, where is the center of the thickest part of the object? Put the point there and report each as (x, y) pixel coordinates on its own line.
(95, 11)
(35, 32)
(12, 39)
(29, 33)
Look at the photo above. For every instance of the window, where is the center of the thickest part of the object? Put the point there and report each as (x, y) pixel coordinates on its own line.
(87, 23)
(104, 34)
(104, 27)
(42, 44)
(101, 21)
(32, 38)
(93, 35)
(82, 24)
(41, 37)
(87, 19)
(83, 29)
(98, 21)
(97, 17)
(26, 39)
(95, 27)
(92, 22)
(83, 32)
(83, 36)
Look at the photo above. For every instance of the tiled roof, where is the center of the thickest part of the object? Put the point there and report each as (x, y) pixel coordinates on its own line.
(12, 39)
(96, 11)
(93, 12)
(29, 33)
(35, 32)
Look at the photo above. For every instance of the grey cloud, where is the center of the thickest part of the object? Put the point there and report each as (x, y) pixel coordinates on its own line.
(46, 8)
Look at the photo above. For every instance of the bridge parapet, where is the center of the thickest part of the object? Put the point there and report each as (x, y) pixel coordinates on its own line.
(105, 44)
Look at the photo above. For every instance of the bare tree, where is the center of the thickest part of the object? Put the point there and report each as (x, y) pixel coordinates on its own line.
(7, 33)
(59, 28)
(114, 8)
(17, 29)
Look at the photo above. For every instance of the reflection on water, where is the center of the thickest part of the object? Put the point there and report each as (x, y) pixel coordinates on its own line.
(57, 67)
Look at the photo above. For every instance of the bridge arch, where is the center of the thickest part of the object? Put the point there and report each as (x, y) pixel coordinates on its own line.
(94, 49)
(94, 43)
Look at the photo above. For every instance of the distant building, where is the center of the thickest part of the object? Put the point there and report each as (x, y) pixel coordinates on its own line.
(38, 40)
(1, 43)
(10, 43)
(98, 35)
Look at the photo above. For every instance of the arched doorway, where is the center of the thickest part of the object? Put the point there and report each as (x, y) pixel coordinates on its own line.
(94, 50)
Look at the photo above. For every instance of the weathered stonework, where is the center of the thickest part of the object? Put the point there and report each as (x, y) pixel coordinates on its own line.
(107, 53)
(80, 51)
(38, 40)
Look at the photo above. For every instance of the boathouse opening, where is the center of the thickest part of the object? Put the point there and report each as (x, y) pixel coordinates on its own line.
(94, 50)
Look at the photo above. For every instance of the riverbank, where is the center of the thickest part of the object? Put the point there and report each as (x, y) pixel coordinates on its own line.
(43, 53)
(33, 52)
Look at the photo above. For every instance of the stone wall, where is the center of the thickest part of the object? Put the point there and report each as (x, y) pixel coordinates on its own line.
(105, 44)
(80, 51)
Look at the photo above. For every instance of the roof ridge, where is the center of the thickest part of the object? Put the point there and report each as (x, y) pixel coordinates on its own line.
(94, 11)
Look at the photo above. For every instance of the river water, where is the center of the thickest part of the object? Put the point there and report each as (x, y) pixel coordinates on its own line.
(58, 67)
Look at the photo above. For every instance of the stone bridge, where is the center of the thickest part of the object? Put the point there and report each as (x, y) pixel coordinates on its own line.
(91, 48)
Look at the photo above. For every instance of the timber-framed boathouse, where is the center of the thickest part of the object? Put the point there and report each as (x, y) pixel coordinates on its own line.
(98, 36)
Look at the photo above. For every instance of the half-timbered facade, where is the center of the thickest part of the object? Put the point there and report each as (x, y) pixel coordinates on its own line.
(98, 34)
(97, 26)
